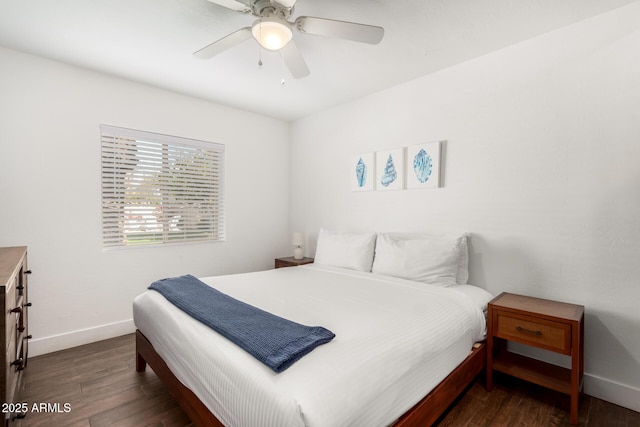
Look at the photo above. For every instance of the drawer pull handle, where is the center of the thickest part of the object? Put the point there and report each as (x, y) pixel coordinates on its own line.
(528, 331)
(19, 364)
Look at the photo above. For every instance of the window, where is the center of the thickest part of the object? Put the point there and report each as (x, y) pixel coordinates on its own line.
(159, 189)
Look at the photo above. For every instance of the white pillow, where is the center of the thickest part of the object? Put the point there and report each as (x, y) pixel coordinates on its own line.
(460, 239)
(346, 250)
(424, 258)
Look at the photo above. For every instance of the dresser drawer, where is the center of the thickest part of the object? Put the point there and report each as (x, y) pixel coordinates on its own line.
(555, 336)
(11, 319)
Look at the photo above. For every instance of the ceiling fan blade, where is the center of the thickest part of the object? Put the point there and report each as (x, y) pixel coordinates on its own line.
(294, 60)
(224, 43)
(345, 30)
(233, 5)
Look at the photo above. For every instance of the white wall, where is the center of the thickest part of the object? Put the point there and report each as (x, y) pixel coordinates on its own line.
(50, 193)
(541, 166)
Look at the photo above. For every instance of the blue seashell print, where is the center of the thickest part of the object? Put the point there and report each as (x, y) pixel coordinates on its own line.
(423, 166)
(361, 173)
(389, 174)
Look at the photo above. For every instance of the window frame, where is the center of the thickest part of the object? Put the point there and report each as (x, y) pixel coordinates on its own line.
(159, 190)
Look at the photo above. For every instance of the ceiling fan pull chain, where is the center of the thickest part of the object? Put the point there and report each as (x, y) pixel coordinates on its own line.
(260, 50)
(282, 65)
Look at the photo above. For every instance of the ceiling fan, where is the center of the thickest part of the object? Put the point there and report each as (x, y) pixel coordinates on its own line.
(273, 31)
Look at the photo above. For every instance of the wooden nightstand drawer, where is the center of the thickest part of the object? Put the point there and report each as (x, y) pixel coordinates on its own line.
(540, 333)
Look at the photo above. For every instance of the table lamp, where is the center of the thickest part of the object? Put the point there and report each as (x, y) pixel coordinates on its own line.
(298, 242)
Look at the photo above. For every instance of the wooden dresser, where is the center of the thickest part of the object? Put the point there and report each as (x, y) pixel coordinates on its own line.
(14, 332)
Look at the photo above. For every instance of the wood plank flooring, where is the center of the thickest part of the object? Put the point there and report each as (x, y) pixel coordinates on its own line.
(101, 386)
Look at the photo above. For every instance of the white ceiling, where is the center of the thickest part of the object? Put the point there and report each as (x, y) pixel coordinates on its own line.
(152, 41)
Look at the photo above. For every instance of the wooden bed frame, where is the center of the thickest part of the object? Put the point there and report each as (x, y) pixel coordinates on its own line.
(424, 413)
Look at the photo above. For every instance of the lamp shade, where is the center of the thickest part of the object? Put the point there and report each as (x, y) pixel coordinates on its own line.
(298, 239)
(271, 33)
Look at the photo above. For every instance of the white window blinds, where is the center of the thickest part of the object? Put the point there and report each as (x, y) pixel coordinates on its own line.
(159, 189)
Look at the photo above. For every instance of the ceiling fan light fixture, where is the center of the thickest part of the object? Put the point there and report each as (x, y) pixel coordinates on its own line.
(271, 33)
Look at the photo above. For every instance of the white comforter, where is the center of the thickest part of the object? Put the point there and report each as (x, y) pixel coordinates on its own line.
(395, 341)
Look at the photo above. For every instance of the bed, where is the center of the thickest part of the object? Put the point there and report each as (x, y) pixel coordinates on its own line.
(403, 348)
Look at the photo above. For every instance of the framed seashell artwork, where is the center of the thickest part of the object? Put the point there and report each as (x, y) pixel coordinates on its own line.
(423, 165)
(362, 172)
(390, 169)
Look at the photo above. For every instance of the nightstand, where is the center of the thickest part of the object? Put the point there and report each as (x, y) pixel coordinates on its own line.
(550, 325)
(291, 262)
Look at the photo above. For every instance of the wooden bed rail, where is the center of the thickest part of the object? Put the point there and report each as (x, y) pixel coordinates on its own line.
(428, 410)
(188, 401)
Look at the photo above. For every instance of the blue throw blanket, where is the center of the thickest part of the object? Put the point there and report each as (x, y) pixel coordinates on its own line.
(274, 341)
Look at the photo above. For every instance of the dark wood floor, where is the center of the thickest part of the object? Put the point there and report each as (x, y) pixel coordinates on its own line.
(101, 386)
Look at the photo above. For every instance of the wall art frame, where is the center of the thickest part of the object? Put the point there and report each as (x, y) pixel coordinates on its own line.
(423, 165)
(390, 169)
(362, 172)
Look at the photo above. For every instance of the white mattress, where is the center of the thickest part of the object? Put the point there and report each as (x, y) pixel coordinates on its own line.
(395, 341)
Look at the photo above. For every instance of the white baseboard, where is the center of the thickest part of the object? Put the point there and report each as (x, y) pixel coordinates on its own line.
(620, 394)
(611, 391)
(39, 346)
